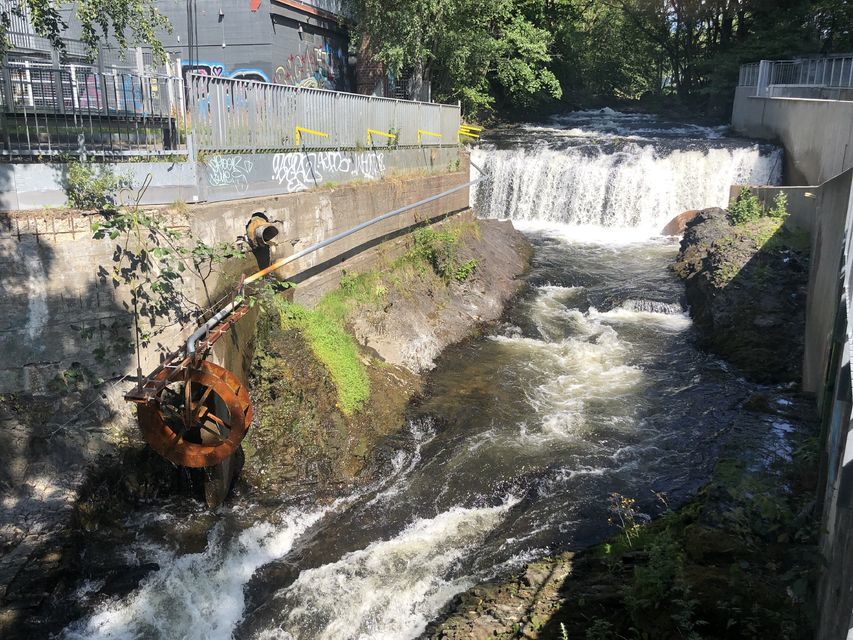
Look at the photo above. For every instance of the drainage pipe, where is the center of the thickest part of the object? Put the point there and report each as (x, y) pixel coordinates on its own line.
(278, 264)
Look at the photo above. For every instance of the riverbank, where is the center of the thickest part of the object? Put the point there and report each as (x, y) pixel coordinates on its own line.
(330, 383)
(738, 559)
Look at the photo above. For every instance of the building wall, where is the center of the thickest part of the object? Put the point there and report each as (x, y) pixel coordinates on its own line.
(275, 43)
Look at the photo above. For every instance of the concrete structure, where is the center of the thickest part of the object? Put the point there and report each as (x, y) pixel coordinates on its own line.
(232, 176)
(58, 304)
(818, 140)
(817, 134)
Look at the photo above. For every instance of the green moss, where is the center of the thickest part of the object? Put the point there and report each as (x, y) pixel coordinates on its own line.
(333, 346)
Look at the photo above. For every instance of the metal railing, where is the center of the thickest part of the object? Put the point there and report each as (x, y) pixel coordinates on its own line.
(831, 72)
(50, 111)
(228, 115)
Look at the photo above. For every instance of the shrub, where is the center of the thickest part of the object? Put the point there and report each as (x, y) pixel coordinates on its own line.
(87, 188)
(438, 248)
(746, 208)
(780, 206)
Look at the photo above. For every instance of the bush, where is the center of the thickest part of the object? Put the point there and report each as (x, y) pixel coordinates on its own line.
(780, 206)
(87, 188)
(746, 208)
(438, 248)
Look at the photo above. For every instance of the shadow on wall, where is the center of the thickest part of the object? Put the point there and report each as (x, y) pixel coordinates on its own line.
(59, 335)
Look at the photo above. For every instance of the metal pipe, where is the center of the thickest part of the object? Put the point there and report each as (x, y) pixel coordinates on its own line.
(278, 264)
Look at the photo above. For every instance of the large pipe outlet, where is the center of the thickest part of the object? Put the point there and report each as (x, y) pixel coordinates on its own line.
(260, 232)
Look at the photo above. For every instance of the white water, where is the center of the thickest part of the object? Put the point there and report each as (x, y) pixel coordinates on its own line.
(603, 177)
(392, 588)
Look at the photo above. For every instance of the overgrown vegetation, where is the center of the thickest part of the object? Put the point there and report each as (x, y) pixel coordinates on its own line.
(747, 208)
(91, 186)
(439, 248)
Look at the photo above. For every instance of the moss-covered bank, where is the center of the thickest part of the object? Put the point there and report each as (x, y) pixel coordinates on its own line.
(331, 381)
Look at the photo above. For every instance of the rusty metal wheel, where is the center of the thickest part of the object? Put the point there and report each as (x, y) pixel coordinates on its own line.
(199, 419)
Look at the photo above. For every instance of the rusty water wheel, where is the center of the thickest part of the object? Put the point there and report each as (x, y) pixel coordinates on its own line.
(199, 419)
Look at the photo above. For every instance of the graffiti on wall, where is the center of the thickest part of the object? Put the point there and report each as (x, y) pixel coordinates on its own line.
(229, 171)
(318, 65)
(218, 70)
(300, 171)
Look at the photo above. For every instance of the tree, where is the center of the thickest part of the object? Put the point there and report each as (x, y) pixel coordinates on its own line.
(482, 53)
(127, 22)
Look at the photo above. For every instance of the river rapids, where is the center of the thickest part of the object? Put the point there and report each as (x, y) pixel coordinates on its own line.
(590, 386)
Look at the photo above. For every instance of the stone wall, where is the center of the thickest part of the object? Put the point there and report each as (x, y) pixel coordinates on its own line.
(52, 296)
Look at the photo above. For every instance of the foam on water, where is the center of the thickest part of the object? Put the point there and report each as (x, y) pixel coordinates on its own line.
(392, 588)
(197, 596)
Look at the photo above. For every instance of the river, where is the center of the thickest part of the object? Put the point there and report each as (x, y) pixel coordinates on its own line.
(590, 386)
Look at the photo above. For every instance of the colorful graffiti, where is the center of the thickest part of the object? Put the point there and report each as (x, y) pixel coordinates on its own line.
(217, 69)
(318, 66)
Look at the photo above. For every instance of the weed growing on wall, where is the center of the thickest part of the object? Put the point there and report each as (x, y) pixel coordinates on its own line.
(89, 188)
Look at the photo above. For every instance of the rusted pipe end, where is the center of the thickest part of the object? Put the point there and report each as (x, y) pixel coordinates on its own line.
(260, 232)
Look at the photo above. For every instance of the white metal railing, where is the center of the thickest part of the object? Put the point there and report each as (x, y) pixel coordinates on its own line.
(228, 115)
(831, 72)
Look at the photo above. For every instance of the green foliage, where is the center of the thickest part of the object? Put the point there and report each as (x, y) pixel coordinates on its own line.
(126, 22)
(482, 53)
(439, 249)
(746, 208)
(780, 206)
(151, 260)
(89, 186)
(334, 347)
(625, 515)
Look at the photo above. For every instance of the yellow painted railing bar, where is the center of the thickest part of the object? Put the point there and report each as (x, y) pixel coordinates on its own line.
(471, 127)
(422, 132)
(465, 133)
(309, 131)
(370, 132)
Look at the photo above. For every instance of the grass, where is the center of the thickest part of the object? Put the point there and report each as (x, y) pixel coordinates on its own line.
(335, 348)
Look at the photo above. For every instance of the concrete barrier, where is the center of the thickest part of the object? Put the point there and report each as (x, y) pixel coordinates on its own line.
(56, 308)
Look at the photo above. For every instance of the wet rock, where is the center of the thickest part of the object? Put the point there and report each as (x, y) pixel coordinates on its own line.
(678, 224)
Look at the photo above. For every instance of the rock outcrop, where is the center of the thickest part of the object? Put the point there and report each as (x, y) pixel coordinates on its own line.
(746, 287)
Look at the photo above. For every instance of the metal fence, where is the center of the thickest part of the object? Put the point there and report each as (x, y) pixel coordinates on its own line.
(244, 115)
(50, 111)
(830, 72)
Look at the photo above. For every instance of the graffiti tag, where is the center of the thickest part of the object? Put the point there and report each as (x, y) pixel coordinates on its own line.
(300, 171)
(234, 171)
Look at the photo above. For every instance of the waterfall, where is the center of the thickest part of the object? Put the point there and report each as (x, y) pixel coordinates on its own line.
(615, 181)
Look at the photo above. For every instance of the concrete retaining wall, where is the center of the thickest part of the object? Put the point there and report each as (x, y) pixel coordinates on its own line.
(216, 178)
(802, 202)
(52, 298)
(817, 134)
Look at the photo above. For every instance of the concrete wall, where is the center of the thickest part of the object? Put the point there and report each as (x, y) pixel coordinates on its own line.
(817, 134)
(802, 202)
(52, 297)
(832, 208)
(228, 177)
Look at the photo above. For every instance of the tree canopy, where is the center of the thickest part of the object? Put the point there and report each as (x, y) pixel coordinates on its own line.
(514, 55)
(126, 22)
